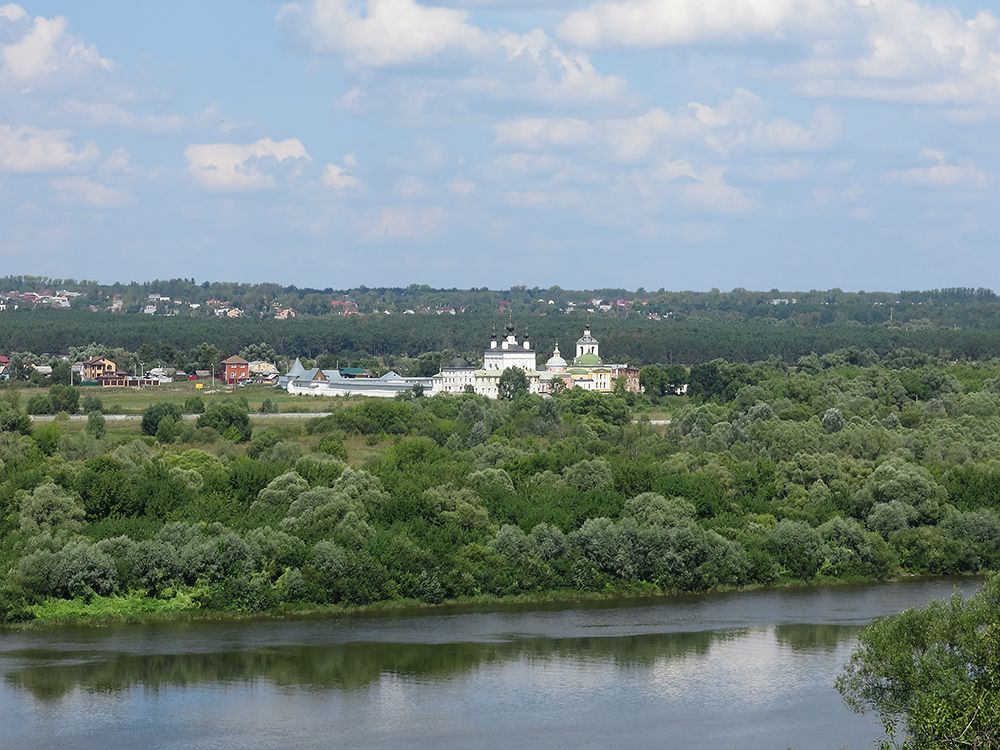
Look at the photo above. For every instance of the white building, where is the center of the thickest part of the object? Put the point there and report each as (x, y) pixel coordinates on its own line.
(587, 370)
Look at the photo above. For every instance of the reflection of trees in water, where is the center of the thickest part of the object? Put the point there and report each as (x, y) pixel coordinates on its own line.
(815, 637)
(335, 666)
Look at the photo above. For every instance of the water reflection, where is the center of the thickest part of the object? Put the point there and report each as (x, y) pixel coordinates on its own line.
(52, 674)
(814, 637)
(715, 672)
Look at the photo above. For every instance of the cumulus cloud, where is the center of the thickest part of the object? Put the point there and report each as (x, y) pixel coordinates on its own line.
(381, 33)
(940, 174)
(784, 135)
(740, 123)
(43, 49)
(13, 13)
(336, 176)
(658, 23)
(705, 188)
(897, 50)
(242, 167)
(89, 192)
(388, 35)
(27, 149)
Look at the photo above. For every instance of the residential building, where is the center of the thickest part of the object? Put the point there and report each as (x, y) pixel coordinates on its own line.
(96, 367)
(235, 370)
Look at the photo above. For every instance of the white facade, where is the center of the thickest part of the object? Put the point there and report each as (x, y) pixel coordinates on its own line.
(509, 352)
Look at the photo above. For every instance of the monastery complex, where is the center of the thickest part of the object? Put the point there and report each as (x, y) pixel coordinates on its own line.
(586, 370)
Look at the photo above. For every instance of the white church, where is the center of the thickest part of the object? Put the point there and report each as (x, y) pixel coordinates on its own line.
(587, 370)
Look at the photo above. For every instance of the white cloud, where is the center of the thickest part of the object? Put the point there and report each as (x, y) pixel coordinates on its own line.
(545, 72)
(118, 162)
(89, 192)
(13, 13)
(739, 123)
(336, 177)
(633, 138)
(657, 23)
(381, 33)
(896, 50)
(27, 149)
(704, 188)
(940, 174)
(241, 167)
(541, 132)
(46, 50)
(463, 187)
(784, 135)
(387, 35)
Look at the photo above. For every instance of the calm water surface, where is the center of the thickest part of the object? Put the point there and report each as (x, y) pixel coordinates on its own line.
(742, 670)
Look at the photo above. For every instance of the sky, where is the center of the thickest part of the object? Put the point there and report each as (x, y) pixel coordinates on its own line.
(678, 144)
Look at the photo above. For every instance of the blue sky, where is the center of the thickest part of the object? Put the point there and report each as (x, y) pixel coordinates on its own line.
(684, 144)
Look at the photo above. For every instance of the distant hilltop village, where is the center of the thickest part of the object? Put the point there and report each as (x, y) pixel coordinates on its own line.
(587, 371)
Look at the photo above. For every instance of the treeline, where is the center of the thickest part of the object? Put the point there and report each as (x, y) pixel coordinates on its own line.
(963, 307)
(632, 340)
(835, 468)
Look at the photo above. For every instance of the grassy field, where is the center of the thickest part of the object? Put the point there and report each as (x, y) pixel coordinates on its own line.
(135, 400)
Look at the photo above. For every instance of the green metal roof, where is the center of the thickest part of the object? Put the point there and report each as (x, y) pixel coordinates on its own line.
(588, 360)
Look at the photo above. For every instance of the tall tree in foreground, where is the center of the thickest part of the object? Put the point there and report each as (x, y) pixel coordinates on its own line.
(932, 674)
(513, 382)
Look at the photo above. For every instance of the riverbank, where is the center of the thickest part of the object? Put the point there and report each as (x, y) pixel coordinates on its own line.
(183, 604)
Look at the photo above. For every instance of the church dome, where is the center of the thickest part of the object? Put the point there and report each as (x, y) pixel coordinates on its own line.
(556, 361)
(588, 360)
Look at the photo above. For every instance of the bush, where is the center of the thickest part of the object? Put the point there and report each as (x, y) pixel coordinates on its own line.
(166, 430)
(154, 413)
(40, 403)
(933, 672)
(47, 438)
(49, 508)
(797, 547)
(589, 475)
(91, 403)
(228, 419)
(13, 419)
(267, 406)
(95, 424)
(64, 398)
(333, 445)
(194, 405)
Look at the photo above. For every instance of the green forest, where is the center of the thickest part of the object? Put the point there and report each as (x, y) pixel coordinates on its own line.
(635, 340)
(840, 467)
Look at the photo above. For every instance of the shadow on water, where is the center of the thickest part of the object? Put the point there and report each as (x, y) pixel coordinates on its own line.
(53, 674)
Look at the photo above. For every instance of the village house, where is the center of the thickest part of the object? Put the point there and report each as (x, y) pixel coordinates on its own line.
(235, 370)
(96, 367)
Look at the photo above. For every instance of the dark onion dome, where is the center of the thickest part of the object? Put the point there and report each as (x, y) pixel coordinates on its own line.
(510, 326)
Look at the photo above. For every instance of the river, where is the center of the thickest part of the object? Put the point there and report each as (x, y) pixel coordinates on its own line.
(739, 670)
